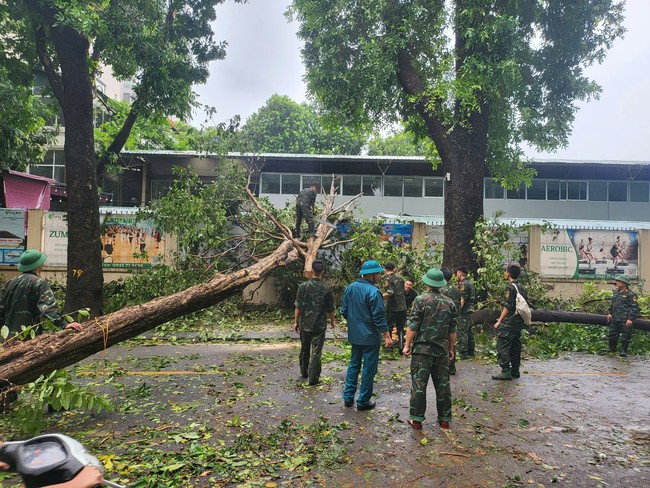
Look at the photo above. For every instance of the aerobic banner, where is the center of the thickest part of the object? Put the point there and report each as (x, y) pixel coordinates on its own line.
(589, 254)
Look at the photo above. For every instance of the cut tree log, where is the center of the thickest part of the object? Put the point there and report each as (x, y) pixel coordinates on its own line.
(24, 361)
(489, 316)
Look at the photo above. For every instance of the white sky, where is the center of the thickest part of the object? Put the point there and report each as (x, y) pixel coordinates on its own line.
(264, 58)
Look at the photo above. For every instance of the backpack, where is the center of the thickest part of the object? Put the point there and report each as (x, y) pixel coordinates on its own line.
(522, 307)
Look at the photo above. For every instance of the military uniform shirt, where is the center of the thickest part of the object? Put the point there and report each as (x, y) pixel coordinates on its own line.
(466, 289)
(624, 306)
(452, 292)
(27, 300)
(513, 319)
(396, 297)
(315, 300)
(433, 318)
(306, 198)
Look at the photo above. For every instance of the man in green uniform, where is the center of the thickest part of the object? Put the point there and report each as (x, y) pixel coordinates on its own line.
(314, 304)
(465, 322)
(454, 293)
(27, 300)
(305, 209)
(509, 327)
(395, 302)
(430, 341)
(622, 311)
(409, 293)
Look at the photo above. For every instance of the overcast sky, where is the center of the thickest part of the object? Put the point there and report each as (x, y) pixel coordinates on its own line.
(264, 58)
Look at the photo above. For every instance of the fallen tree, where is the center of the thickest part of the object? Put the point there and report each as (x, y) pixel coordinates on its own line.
(24, 361)
(490, 316)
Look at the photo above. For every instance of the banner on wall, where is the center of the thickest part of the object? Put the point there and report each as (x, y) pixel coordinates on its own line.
(125, 242)
(589, 254)
(397, 234)
(12, 235)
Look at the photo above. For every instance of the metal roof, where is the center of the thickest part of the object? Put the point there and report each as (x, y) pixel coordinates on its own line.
(520, 222)
(365, 157)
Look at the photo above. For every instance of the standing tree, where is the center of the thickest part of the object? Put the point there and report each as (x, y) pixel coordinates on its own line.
(285, 126)
(477, 78)
(164, 46)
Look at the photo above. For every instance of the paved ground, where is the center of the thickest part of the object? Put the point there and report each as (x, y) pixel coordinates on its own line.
(580, 420)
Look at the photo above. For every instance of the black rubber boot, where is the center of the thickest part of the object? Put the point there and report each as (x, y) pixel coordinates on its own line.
(623, 352)
(505, 375)
(612, 345)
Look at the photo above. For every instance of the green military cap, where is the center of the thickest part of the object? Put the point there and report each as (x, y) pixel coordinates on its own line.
(30, 260)
(623, 279)
(435, 278)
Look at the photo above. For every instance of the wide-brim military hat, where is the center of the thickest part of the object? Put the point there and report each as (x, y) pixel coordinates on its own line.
(370, 267)
(30, 260)
(435, 278)
(623, 279)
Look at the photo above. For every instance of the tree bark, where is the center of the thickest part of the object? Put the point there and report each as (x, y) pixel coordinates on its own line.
(25, 361)
(488, 316)
(85, 278)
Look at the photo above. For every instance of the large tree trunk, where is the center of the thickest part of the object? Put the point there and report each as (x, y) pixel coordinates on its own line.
(85, 278)
(23, 362)
(488, 316)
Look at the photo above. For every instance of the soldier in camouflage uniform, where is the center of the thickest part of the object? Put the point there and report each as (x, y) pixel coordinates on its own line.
(509, 327)
(465, 322)
(454, 293)
(396, 301)
(314, 304)
(622, 311)
(27, 300)
(305, 208)
(430, 341)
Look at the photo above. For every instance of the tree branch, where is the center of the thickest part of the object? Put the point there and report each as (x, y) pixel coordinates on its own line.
(52, 76)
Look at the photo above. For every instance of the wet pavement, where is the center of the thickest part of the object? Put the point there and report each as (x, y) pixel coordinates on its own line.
(581, 420)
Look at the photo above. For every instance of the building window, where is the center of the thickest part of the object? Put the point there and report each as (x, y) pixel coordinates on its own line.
(270, 183)
(639, 191)
(576, 190)
(434, 187)
(517, 194)
(393, 186)
(159, 188)
(351, 185)
(290, 184)
(308, 180)
(53, 166)
(617, 191)
(537, 190)
(327, 184)
(371, 186)
(598, 191)
(493, 189)
(413, 186)
(555, 190)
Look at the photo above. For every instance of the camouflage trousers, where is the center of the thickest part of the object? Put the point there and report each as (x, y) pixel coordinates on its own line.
(465, 335)
(618, 329)
(509, 347)
(305, 211)
(437, 368)
(311, 350)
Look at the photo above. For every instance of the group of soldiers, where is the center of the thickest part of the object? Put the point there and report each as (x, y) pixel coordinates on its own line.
(435, 322)
(438, 325)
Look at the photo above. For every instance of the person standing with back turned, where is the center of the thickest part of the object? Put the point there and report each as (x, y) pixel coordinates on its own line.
(305, 208)
(363, 308)
(509, 327)
(466, 312)
(314, 304)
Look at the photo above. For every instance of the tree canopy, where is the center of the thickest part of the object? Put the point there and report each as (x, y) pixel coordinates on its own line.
(398, 144)
(163, 47)
(477, 79)
(285, 126)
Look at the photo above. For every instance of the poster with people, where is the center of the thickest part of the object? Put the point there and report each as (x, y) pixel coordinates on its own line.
(126, 241)
(397, 234)
(12, 234)
(589, 254)
(130, 243)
